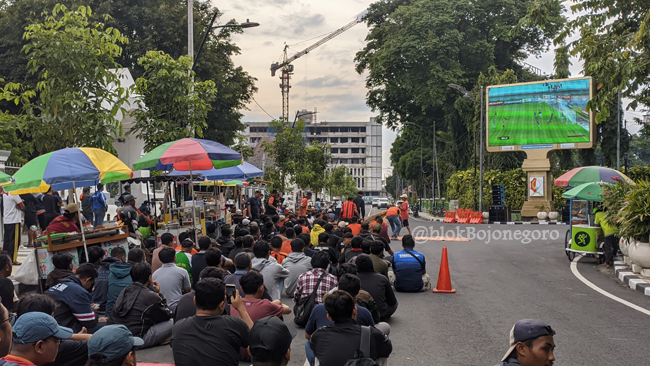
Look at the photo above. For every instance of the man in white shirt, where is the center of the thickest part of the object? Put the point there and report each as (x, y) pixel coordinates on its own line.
(12, 205)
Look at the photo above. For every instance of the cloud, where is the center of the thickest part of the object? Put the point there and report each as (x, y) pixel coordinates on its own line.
(296, 24)
(339, 107)
(326, 82)
(267, 43)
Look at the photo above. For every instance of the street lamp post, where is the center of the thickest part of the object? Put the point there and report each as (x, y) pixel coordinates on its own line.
(421, 147)
(468, 95)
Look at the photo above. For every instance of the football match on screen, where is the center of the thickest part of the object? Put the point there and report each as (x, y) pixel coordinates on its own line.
(553, 112)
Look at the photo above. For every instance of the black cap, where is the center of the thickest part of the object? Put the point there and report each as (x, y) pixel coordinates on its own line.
(269, 339)
(525, 330)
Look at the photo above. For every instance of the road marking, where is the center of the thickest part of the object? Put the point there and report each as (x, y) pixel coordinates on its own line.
(574, 269)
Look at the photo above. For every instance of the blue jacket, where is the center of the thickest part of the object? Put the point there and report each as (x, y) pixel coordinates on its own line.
(100, 291)
(98, 200)
(73, 304)
(118, 279)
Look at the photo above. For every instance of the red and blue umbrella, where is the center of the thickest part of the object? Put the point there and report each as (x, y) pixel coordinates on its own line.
(590, 174)
(189, 154)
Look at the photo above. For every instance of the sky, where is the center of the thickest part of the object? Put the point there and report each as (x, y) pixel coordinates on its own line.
(325, 78)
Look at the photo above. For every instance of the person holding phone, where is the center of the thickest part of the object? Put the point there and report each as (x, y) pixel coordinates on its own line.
(209, 337)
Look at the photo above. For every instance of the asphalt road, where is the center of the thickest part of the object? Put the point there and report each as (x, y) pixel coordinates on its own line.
(498, 283)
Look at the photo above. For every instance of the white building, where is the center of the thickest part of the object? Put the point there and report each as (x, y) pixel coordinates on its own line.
(357, 145)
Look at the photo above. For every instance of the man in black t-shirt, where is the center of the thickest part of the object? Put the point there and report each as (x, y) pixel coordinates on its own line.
(210, 338)
(254, 204)
(7, 293)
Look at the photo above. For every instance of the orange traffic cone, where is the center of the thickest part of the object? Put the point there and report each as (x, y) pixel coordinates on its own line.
(444, 280)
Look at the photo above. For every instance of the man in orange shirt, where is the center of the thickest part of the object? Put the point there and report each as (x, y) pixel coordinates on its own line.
(393, 219)
(404, 209)
(303, 205)
(290, 233)
(355, 226)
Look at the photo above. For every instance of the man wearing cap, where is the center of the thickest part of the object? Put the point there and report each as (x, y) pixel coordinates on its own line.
(98, 200)
(36, 338)
(254, 205)
(114, 345)
(269, 342)
(66, 223)
(531, 344)
(404, 212)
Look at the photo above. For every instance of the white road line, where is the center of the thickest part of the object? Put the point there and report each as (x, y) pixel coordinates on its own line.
(574, 269)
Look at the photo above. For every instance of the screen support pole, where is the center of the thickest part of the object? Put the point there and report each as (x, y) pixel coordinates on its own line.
(538, 166)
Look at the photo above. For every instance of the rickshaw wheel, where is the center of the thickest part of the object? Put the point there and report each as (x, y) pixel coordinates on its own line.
(567, 245)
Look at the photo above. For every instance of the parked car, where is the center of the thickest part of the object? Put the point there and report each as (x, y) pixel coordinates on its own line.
(382, 203)
(375, 202)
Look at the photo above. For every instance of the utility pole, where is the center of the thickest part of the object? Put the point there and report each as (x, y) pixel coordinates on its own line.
(480, 182)
(618, 133)
(435, 154)
(190, 29)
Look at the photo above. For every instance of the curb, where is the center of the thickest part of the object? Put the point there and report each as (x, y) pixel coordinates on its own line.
(631, 279)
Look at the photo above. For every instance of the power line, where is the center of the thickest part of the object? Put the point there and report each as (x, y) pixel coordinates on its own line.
(267, 113)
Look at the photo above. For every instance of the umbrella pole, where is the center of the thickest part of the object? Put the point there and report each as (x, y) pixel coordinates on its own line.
(193, 204)
(81, 225)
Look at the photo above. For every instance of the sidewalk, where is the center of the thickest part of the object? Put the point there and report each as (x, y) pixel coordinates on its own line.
(632, 280)
(426, 216)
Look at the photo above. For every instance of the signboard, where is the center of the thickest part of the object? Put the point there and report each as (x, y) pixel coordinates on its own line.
(543, 115)
(535, 186)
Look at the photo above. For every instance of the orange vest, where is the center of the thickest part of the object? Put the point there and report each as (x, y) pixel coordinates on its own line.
(347, 210)
(393, 211)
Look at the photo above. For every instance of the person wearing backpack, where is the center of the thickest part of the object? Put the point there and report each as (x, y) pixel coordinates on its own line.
(343, 342)
(98, 201)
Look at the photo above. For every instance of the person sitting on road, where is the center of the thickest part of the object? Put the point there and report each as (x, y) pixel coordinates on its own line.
(74, 299)
(409, 267)
(318, 318)
(197, 263)
(323, 245)
(365, 232)
(276, 249)
(355, 226)
(269, 342)
(209, 337)
(166, 240)
(252, 283)
(225, 242)
(100, 292)
(378, 286)
(73, 351)
(384, 228)
(297, 263)
(273, 272)
(380, 265)
(308, 280)
(142, 310)
(173, 280)
(243, 264)
(186, 307)
(184, 256)
(306, 238)
(113, 345)
(335, 345)
(62, 263)
(531, 344)
(120, 277)
(36, 338)
(376, 235)
(352, 251)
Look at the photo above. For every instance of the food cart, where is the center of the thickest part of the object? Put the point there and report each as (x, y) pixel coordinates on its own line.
(583, 237)
(108, 237)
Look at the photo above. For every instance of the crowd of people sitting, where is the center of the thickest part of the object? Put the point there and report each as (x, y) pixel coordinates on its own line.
(219, 300)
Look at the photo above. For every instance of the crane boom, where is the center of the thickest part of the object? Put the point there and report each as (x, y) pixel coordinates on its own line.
(287, 69)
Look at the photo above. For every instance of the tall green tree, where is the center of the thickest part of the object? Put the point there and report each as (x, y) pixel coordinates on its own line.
(78, 96)
(313, 172)
(341, 183)
(176, 106)
(286, 154)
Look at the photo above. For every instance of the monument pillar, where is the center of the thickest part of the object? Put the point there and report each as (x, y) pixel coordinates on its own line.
(539, 183)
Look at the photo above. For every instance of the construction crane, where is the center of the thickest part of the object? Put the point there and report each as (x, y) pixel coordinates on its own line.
(287, 69)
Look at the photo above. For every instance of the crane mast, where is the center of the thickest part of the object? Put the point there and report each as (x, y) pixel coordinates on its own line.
(286, 68)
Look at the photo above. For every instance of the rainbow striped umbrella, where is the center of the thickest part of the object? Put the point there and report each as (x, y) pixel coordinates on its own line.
(590, 174)
(67, 169)
(189, 154)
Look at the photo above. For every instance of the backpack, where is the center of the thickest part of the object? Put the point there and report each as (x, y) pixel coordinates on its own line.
(362, 355)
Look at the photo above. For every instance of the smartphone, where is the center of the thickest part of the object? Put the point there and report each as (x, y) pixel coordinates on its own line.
(230, 292)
